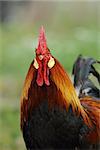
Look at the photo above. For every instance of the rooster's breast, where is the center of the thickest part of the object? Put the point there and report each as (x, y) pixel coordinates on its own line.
(51, 128)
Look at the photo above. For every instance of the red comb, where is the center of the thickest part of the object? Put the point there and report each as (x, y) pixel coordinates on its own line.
(42, 46)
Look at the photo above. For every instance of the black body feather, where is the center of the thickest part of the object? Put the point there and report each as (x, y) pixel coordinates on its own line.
(54, 128)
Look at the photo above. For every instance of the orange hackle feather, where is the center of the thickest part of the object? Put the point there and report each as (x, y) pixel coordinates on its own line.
(24, 96)
(69, 96)
(27, 82)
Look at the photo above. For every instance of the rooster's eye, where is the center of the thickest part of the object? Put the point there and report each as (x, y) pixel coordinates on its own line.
(40, 57)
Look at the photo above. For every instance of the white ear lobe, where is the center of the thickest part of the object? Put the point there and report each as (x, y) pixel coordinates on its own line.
(51, 62)
(36, 65)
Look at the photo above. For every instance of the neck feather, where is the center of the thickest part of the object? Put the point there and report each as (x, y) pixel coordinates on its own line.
(65, 86)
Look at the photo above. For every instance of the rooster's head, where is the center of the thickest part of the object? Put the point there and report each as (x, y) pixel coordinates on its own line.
(43, 61)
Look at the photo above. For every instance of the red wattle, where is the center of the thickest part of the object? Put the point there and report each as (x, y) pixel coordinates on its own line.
(46, 74)
(39, 78)
(43, 73)
(40, 75)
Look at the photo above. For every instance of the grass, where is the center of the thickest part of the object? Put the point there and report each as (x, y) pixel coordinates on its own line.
(18, 46)
(10, 135)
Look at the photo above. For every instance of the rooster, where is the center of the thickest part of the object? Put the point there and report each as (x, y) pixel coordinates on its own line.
(82, 68)
(52, 116)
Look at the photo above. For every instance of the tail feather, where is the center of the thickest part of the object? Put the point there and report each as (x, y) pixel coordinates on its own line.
(82, 69)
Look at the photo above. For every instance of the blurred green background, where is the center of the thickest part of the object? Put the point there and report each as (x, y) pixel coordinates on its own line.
(72, 28)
